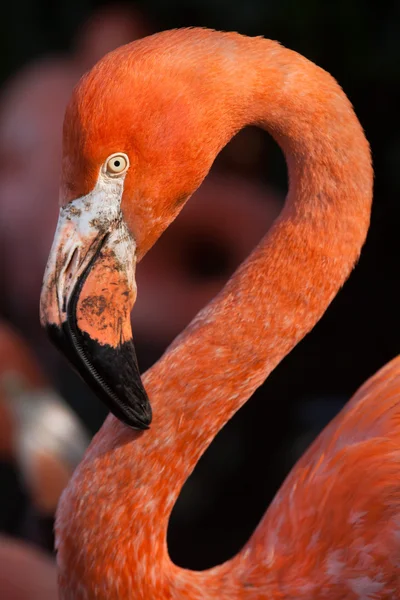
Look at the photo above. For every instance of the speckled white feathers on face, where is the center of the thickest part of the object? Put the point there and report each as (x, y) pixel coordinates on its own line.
(80, 223)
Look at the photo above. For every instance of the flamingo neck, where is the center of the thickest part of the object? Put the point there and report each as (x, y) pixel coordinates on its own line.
(125, 489)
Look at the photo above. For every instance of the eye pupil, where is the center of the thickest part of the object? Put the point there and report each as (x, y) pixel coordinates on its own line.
(117, 164)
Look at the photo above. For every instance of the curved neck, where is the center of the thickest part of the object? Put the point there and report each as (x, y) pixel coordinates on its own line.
(270, 303)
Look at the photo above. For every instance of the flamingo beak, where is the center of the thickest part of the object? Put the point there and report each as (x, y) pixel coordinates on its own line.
(87, 296)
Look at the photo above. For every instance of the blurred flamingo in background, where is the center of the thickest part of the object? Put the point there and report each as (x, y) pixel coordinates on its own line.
(26, 573)
(37, 428)
(136, 146)
(194, 258)
(44, 439)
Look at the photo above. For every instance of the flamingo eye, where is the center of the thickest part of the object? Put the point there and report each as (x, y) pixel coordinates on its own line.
(117, 164)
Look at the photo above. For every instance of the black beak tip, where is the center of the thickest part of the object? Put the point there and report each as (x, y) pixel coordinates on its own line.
(139, 420)
(112, 373)
(140, 425)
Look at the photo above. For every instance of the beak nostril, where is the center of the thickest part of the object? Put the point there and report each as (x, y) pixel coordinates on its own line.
(70, 271)
(72, 264)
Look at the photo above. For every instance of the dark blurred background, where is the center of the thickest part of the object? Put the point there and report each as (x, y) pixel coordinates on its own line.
(45, 47)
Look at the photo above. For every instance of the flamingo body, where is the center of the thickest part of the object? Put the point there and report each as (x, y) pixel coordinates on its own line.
(165, 106)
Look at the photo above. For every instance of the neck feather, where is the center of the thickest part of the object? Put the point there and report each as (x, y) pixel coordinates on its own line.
(214, 366)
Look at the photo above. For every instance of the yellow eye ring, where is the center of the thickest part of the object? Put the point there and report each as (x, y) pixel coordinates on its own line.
(117, 164)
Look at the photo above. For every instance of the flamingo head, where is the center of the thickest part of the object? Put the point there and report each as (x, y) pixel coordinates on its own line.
(137, 143)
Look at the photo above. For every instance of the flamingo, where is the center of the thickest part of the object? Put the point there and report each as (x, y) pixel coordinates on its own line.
(140, 134)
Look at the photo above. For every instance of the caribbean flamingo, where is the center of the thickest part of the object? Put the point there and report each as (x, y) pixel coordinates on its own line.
(140, 134)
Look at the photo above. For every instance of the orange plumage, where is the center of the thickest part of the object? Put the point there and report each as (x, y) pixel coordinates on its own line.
(170, 102)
